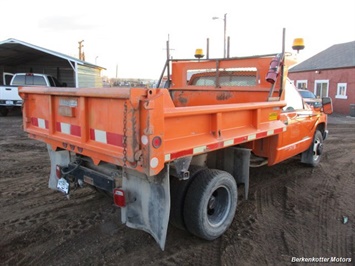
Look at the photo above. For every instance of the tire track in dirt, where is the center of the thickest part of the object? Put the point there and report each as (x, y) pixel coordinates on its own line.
(328, 238)
(238, 241)
(331, 233)
(203, 253)
(51, 205)
(290, 233)
(265, 209)
(18, 146)
(56, 222)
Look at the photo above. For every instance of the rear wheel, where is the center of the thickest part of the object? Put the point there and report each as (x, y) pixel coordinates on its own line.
(178, 190)
(210, 204)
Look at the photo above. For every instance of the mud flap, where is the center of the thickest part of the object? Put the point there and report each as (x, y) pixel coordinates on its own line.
(242, 164)
(237, 162)
(147, 203)
(61, 158)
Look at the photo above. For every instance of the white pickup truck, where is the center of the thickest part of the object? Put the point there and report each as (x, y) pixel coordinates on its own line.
(9, 98)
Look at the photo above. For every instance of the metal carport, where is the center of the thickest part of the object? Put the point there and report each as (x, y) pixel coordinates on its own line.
(17, 56)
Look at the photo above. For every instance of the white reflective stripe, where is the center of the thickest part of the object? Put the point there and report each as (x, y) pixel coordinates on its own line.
(199, 149)
(228, 143)
(65, 128)
(100, 136)
(41, 123)
(251, 137)
(167, 157)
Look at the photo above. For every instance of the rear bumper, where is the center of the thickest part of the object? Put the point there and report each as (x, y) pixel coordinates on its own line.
(11, 103)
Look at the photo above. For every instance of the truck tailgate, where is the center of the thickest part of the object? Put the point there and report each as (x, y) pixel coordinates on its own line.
(85, 121)
(10, 93)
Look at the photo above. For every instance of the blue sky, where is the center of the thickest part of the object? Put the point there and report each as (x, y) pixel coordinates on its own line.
(130, 36)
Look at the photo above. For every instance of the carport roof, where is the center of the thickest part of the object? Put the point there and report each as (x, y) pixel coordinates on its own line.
(15, 52)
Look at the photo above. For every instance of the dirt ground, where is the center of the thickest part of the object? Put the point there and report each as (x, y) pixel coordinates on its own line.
(294, 211)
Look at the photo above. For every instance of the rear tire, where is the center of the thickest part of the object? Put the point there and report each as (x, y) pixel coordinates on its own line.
(178, 189)
(210, 204)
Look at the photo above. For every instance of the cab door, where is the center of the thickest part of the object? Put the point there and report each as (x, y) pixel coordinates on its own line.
(300, 120)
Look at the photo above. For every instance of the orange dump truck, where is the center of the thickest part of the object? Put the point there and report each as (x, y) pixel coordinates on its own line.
(177, 154)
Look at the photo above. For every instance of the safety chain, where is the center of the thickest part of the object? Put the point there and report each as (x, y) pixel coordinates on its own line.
(124, 140)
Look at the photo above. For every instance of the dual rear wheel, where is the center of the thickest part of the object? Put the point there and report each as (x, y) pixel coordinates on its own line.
(205, 204)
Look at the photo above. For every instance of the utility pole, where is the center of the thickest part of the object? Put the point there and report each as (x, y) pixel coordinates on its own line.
(168, 49)
(81, 54)
(224, 34)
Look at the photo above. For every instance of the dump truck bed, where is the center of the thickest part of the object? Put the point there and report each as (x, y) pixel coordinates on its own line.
(138, 127)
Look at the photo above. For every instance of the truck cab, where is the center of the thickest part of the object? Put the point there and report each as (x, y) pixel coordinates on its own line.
(304, 125)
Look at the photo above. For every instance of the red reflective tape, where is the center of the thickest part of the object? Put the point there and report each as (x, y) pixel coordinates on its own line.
(58, 127)
(34, 121)
(261, 134)
(92, 134)
(181, 154)
(68, 129)
(279, 130)
(114, 139)
(39, 122)
(215, 146)
(240, 140)
(75, 130)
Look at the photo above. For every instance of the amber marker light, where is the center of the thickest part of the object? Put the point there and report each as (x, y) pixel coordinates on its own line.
(298, 44)
(199, 53)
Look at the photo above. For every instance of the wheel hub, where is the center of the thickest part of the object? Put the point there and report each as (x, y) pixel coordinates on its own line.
(212, 203)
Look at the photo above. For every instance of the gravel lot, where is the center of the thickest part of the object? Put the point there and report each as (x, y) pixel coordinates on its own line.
(294, 211)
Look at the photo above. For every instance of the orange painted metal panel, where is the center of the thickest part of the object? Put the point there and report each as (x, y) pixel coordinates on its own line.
(113, 124)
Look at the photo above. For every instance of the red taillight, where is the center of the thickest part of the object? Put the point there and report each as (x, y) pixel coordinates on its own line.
(156, 142)
(119, 197)
(58, 171)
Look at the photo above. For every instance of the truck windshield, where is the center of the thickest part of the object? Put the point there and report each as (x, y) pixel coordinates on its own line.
(240, 77)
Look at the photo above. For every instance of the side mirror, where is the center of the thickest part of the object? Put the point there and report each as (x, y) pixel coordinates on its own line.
(327, 105)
